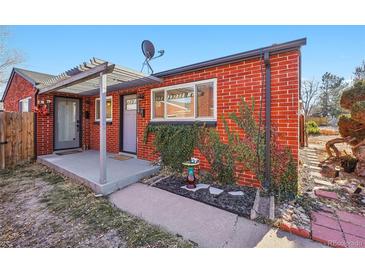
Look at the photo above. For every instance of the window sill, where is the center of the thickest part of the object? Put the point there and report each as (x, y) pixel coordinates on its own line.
(186, 123)
(107, 122)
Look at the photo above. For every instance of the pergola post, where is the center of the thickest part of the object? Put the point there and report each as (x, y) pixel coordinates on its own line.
(102, 145)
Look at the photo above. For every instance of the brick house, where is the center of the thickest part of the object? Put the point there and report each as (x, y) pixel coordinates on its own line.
(202, 92)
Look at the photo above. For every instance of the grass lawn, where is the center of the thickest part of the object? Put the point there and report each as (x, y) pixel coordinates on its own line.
(40, 208)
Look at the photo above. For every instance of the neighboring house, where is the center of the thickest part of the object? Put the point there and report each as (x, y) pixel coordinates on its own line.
(203, 92)
(19, 93)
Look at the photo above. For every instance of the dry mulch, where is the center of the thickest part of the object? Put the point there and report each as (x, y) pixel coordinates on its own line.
(240, 205)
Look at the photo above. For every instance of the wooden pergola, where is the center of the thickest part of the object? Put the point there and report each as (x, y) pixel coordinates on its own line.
(97, 76)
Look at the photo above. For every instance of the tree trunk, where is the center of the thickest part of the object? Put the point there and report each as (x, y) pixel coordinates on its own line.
(330, 145)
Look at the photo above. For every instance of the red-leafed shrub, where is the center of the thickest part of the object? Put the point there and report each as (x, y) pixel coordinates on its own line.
(250, 151)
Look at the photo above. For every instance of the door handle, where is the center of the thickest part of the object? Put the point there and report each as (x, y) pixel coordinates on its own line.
(78, 125)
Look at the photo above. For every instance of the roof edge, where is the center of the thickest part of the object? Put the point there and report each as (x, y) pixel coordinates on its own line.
(294, 44)
(13, 71)
(17, 70)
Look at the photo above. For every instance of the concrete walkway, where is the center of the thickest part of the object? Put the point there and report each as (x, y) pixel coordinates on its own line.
(203, 224)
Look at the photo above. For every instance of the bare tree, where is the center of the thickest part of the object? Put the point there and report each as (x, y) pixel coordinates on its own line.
(359, 72)
(8, 57)
(309, 92)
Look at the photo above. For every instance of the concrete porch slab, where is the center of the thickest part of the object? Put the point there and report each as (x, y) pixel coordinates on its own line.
(84, 167)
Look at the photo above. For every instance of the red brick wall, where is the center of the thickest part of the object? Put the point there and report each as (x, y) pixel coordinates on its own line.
(19, 88)
(237, 80)
(112, 128)
(90, 128)
(234, 81)
(45, 126)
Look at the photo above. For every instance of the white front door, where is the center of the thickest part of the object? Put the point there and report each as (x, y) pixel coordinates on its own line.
(130, 123)
(67, 123)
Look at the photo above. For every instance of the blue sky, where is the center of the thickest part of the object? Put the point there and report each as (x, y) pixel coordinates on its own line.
(53, 49)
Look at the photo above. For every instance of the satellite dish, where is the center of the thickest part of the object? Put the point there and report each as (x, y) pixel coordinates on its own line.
(148, 49)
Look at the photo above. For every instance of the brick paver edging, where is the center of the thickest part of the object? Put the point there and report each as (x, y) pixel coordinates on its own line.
(348, 233)
(291, 228)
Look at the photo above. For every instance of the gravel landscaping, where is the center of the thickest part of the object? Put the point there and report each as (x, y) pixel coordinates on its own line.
(40, 208)
(235, 202)
(320, 195)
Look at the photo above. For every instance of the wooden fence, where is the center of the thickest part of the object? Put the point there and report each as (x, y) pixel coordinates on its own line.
(16, 138)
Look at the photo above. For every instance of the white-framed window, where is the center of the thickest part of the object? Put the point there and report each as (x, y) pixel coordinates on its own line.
(109, 109)
(195, 101)
(25, 105)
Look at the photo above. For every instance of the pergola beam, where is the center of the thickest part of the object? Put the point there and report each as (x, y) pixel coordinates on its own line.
(79, 78)
(90, 79)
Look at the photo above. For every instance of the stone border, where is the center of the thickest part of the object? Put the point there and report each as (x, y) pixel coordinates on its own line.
(255, 208)
(272, 208)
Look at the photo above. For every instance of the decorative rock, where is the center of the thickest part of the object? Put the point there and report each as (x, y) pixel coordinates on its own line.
(304, 217)
(341, 181)
(287, 217)
(215, 191)
(317, 168)
(322, 182)
(198, 186)
(315, 174)
(236, 193)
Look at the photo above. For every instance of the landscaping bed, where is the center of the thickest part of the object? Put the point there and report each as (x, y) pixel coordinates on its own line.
(326, 206)
(238, 204)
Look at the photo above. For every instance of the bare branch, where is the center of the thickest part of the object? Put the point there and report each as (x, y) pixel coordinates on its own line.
(359, 72)
(309, 92)
(8, 57)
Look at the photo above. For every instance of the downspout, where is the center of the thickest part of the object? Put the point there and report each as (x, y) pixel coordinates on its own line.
(35, 125)
(267, 180)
